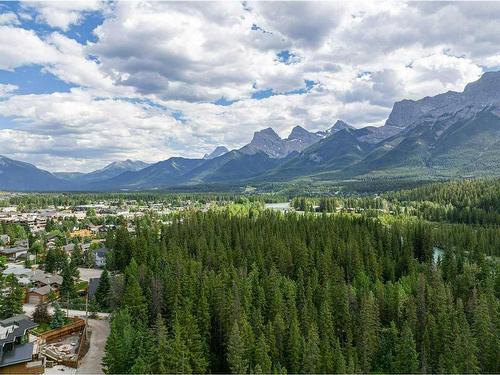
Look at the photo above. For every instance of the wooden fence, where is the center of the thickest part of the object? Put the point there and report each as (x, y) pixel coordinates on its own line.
(77, 325)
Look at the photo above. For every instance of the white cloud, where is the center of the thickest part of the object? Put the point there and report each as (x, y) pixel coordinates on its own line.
(62, 14)
(362, 56)
(23, 47)
(58, 54)
(7, 89)
(77, 126)
(8, 18)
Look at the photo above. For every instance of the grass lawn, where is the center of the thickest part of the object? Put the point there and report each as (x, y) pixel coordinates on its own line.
(81, 285)
(44, 327)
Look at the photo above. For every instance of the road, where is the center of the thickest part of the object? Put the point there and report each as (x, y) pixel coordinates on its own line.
(29, 309)
(91, 363)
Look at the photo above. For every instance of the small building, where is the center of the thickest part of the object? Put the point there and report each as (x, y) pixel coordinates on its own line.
(100, 256)
(14, 253)
(69, 248)
(41, 278)
(19, 351)
(37, 295)
(18, 270)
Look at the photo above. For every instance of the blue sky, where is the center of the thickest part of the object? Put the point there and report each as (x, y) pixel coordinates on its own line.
(83, 84)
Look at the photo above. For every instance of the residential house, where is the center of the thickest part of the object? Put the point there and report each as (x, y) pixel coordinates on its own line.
(69, 248)
(38, 283)
(37, 295)
(52, 240)
(41, 278)
(23, 275)
(100, 256)
(14, 253)
(19, 351)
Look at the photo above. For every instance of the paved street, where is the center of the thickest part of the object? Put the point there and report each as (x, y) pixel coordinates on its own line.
(29, 309)
(91, 363)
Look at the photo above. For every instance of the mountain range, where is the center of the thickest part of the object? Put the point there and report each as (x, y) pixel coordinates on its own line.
(454, 134)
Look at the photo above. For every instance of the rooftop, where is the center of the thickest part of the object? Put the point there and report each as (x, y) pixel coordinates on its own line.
(19, 354)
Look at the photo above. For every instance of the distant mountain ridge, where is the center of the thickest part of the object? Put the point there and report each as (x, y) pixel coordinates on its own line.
(109, 171)
(20, 176)
(454, 134)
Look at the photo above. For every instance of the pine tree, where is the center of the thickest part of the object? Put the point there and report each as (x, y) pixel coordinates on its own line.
(327, 333)
(486, 336)
(178, 355)
(238, 363)
(11, 297)
(51, 261)
(294, 346)
(159, 358)
(465, 349)
(68, 290)
(132, 296)
(406, 356)
(41, 314)
(311, 351)
(262, 355)
(58, 318)
(368, 334)
(339, 364)
(119, 350)
(103, 290)
(89, 258)
(77, 255)
(197, 356)
(141, 366)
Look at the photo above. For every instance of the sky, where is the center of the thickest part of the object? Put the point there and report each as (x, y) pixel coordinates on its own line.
(86, 83)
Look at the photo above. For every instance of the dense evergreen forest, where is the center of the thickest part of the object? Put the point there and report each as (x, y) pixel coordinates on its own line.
(251, 290)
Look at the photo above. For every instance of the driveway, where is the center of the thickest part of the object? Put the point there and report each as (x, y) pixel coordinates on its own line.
(91, 363)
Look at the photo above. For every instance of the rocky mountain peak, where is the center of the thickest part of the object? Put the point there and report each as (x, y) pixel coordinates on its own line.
(218, 151)
(270, 143)
(339, 125)
(267, 134)
(298, 132)
(485, 90)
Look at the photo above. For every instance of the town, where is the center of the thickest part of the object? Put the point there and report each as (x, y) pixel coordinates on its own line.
(54, 282)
